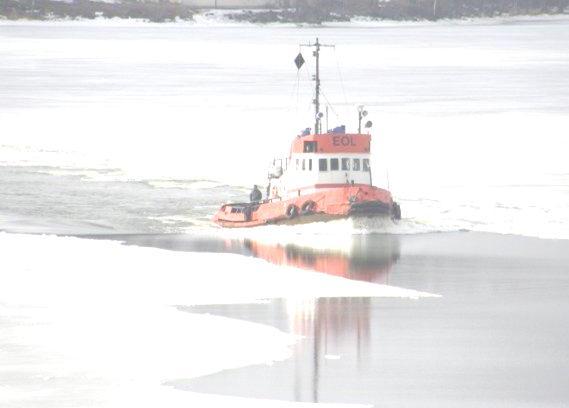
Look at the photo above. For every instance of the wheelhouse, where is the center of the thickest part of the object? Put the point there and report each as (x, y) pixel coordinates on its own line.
(319, 161)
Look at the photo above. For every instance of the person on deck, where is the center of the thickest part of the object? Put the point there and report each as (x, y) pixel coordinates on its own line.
(255, 195)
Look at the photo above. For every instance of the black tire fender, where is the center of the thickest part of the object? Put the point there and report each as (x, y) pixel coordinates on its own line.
(291, 211)
(308, 207)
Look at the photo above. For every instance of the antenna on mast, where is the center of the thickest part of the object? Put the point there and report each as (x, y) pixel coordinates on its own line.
(317, 114)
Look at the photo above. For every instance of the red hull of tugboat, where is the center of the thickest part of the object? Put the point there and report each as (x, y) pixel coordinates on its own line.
(325, 202)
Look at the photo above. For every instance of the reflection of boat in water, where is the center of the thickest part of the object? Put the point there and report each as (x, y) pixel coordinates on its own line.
(365, 257)
(357, 263)
(325, 176)
(334, 345)
(335, 333)
(329, 329)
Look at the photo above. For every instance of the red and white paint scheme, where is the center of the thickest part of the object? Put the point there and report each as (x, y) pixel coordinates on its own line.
(325, 176)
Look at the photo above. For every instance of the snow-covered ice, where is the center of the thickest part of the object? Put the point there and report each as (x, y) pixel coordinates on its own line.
(94, 323)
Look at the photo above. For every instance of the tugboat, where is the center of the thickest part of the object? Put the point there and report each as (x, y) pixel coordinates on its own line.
(325, 176)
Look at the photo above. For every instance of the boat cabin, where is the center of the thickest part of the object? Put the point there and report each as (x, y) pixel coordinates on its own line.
(319, 161)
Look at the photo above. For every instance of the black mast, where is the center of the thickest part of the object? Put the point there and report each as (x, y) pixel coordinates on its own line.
(316, 101)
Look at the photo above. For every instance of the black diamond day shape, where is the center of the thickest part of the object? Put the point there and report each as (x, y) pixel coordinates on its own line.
(299, 61)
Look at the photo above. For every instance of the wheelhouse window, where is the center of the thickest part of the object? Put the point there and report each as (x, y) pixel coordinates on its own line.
(334, 164)
(303, 164)
(323, 164)
(309, 147)
(297, 164)
(365, 164)
(345, 163)
(310, 164)
(356, 165)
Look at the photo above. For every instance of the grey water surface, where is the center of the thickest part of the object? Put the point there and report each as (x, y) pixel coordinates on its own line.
(497, 337)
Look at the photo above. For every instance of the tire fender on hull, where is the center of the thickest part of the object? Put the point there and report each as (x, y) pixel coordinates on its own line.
(291, 211)
(308, 207)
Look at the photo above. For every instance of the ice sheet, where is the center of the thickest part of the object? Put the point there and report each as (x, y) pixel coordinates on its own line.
(94, 323)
